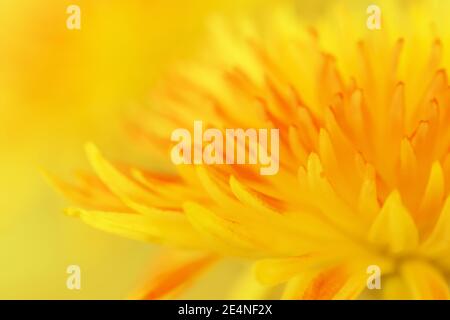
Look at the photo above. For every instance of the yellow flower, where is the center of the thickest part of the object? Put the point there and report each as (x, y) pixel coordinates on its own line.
(364, 159)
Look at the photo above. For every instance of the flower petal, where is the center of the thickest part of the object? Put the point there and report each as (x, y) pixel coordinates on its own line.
(225, 234)
(274, 271)
(438, 243)
(425, 282)
(394, 228)
(119, 184)
(432, 198)
(175, 272)
(332, 283)
(140, 227)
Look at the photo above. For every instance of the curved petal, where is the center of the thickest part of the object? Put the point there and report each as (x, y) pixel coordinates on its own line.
(425, 282)
(394, 227)
(173, 274)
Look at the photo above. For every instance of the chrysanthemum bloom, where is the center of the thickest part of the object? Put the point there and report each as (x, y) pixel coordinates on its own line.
(364, 160)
